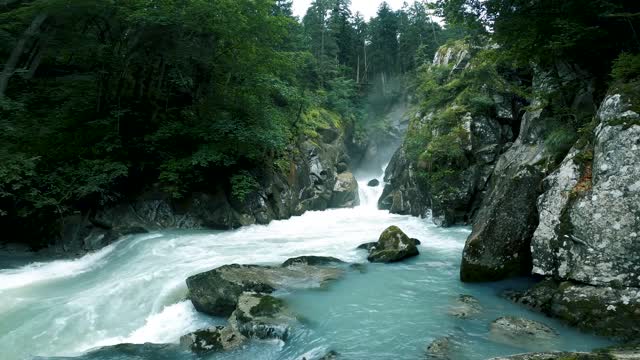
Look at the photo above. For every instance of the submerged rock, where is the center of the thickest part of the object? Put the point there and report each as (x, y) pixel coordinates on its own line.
(520, 332)
(312, 260)
(373, 183)
(439, 348)
(218, 338)
(216, 292)
(261, 316)
(465, 307)
(603, 310)
(393, 245)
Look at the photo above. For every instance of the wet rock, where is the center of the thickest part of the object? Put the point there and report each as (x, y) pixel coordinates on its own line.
(465, 307)
(401, 194)
(262, 317)
(367, 246)
(520, 332)
(617, 352)
(216, 292)
(331, 355)
(393, 245)
(345, 192)
(218, 338)
(342, 167)
(373, 183)
(439, 348)
(312, 260)
(603, 310)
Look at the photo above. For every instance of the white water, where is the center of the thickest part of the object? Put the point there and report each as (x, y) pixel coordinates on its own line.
(133, 292)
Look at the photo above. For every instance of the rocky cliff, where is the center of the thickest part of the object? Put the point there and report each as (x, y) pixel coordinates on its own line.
(317, 177)
(550, 185)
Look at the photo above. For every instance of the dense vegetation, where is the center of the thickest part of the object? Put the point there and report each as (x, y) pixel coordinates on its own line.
(102, 100)
(508, 43)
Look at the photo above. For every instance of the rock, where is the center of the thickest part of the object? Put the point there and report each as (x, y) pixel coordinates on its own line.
(401, 194)
(367, 246)
(521, 332)
(345, 192)
(219, 338)
(373, 183)
(589, 225)
(262, 317)
(439, 348)
(618, 352)
(393, 245)
(416, 242)
(500, 243)
(603, 310)
(342, 167)
(331, 355)
(466, 307)
(216, 292)
(312, 260)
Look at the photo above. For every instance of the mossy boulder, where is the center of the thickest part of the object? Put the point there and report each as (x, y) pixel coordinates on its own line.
(393, 245)
(520, 332)
(262, 316)
(605, 311)
(465, 307)
(213, 339)
(216, 292)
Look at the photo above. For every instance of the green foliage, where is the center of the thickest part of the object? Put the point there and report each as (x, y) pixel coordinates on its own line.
(626, 68)
(242, 185)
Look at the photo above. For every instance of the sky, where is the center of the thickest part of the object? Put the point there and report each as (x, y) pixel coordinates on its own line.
(367, 8)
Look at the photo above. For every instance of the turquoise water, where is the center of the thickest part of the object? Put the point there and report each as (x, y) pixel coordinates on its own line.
(133, 292)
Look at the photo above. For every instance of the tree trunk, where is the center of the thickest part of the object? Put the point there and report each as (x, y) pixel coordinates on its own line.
(14, 58)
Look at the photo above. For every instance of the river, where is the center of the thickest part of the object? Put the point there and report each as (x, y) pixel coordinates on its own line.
(133, 291)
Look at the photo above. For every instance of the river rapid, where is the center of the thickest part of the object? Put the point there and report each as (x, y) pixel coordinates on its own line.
(133, 291)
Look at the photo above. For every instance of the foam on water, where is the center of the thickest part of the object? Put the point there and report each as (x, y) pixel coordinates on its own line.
(133, 291)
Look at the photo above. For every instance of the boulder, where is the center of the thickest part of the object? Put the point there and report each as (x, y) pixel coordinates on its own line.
(603, 310)
(262, 317)
(367, 246)
(312, 261)
(373, 183)
(345, 192)
(393, 245)
(617, 352)
(213, 339)
(216, 292)
(521, 332)
(465, 307)
(342, 167)
(439, 348)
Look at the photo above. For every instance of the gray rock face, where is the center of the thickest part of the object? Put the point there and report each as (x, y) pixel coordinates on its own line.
(590, 216)
(500, 243)
(393, 245)
(603, 310)
(218, 291)
(345, 192)
(401, 194)
(521, 332)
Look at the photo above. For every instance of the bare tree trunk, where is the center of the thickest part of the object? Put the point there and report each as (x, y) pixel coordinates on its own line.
(10, 66)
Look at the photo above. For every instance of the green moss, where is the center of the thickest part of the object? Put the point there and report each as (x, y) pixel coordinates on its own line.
(267, 306)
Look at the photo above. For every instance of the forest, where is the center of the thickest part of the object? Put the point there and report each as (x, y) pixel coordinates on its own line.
(100, 100)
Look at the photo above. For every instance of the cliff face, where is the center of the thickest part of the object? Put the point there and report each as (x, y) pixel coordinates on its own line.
(316, 178)
(570, 213)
